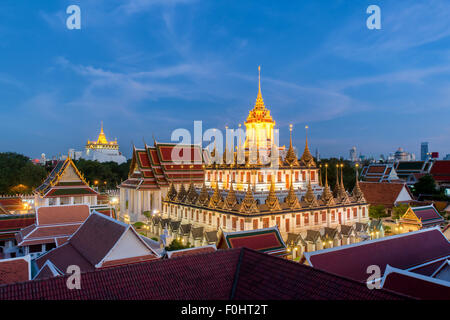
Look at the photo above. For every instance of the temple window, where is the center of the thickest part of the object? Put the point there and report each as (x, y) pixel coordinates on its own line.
(298, 219)
(265, 222)
(233, 223)
(303, 176)
(242, 227)
(306, 218)
(296, 176)
(316, 217)
(255, 224)
(313, 175)
(279, 222)
(324, 216)
(355, 212)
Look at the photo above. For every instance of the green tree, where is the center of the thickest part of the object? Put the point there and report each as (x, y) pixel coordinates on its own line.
(348, 172)
(16, 170)
(425, 185)
(177, 245)
(399, 211)
(378, 211)
(107, 174)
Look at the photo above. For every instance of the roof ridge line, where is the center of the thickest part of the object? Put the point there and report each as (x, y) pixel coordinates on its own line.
(236, 275)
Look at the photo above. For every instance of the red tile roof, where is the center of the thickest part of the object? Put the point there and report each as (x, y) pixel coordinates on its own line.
(441, 170)
(415, 285)
(53, 222)
(401, 251)
(191, 251)
(221, 275)
(12, 204)
(157, 166)
(267, 240)
(382, 193)
(15, 270)
(11, 224)
(428, 215)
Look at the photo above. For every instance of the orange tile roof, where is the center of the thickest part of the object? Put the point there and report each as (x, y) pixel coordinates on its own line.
(381, 193)
(62, 214)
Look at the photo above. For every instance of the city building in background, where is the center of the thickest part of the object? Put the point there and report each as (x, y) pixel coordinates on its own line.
(353, 155)
(424, 151)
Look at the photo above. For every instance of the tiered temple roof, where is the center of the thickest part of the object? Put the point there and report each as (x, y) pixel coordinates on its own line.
(155, 167)
(65, 181)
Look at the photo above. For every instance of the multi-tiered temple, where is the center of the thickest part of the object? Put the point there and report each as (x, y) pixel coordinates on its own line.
(251, 187)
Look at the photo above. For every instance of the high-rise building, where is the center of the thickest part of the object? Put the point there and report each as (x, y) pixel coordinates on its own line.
(424, 151)
(353, 154)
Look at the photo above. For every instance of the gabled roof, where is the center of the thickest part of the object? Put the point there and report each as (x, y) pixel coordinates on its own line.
(425, 215)
(401, 251)
(48, 270)
(93, 242)
(312, 235)
(415, 285)
(382, 193)
(266, 240)
(65, 181)
(191, 251)
(211, 236)
(347, 230)
(221, 275)
(15, 270)
(377, 172)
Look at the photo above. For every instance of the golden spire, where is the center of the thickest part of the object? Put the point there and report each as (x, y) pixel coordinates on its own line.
(248, 204)
(357, 192)
(259, 99)
(181, 194)
(310, 197)
(172, 194)
(336, 186)
(291, 200)
(327, 196)
(259, 113)
(203, 197)
(291, 158)
(230, 200)
(216, 198)
(192, 195)
(307, 157)
(272, 199)
(342, 194)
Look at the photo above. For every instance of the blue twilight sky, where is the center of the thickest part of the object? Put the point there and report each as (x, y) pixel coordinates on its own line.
(147, 67)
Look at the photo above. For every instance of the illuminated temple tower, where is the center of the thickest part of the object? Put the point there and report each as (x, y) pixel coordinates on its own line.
(103, 150)
(244, 188)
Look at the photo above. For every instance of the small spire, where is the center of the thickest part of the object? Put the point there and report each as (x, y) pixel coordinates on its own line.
(272, 199)
(357, 192)
(291, 158)
(101, 126)
(307, 157)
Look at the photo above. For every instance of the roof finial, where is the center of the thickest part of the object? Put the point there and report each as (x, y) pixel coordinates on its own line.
(101, 126)
(259, 80)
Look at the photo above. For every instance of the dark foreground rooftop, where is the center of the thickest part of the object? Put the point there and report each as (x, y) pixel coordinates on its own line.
(225, 274)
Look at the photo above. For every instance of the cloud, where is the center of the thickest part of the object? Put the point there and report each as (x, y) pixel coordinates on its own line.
(405, 25)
